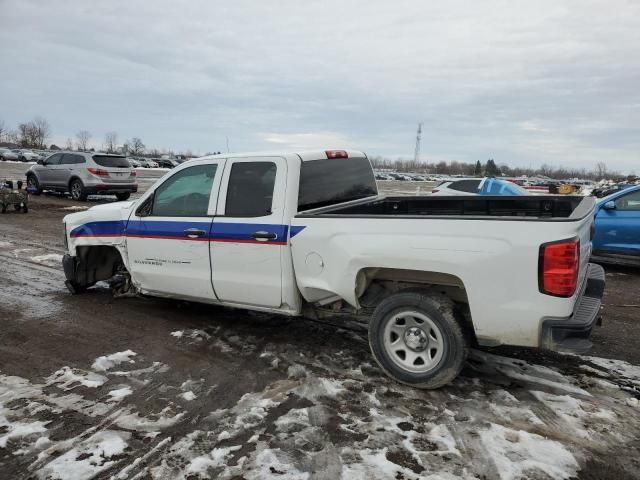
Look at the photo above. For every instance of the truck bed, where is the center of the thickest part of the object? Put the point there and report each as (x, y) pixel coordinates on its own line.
(556, 207)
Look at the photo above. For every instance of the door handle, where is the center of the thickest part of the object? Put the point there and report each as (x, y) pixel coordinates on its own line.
(194, 233)
(263, 236)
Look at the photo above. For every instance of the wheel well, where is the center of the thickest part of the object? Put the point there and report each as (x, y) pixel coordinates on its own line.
(375, 284)
(95, 263)
(72, 179)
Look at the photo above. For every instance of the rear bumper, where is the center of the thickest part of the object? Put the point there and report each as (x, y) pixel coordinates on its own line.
(106, 189)
(572, 334)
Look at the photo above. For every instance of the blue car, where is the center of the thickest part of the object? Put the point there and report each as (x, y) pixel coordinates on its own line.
(617, 226)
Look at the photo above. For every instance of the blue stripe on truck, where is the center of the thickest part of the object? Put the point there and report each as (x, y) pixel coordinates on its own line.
(162, 229)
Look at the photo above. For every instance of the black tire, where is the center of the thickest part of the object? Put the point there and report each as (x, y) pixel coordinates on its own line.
(32, 181)
(3, 208)
(77, 190)
(439, 312)
(123, 196)
(17, 207)
(2, 158)
(25, 208)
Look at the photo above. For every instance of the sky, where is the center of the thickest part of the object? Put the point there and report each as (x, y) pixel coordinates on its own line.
(525, 83)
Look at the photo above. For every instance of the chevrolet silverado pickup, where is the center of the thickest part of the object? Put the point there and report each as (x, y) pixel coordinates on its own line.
(309, 234)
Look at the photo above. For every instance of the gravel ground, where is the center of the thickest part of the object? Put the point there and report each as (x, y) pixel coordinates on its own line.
(97, 387)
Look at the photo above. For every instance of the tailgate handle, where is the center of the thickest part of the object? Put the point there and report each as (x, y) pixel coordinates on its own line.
(194, 233)
(262, 236)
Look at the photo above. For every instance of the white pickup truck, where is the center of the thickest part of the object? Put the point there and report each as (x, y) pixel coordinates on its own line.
(308, 234)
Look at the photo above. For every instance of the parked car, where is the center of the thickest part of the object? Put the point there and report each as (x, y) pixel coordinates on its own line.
(133, 162)
(617, 226)
(167, 163)
(607, 190)
(148, 163)
(7, 154)
(478, 186)
(27, 155)
(307, 232)
(83, 174)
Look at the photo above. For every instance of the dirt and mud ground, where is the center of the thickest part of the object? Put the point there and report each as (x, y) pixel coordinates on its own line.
(94, 387)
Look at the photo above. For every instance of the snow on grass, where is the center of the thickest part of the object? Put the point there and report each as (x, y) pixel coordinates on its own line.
(118, 395)
(49, 259)
(104, 363)
(519, 453)
(69, 378)
(88, 458)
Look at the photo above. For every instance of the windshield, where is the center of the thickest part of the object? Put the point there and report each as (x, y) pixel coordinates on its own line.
(111, 161)
(327, 182)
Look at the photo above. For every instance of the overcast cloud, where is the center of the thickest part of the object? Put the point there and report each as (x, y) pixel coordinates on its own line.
(524, 83)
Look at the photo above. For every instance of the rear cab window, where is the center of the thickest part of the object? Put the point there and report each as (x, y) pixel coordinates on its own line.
(332, 181)
(469, 186)
(111, 161)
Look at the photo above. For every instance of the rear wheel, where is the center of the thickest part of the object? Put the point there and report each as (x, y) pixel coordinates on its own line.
(123, 196)
(416, 339)
(78, 191)
(34, 185)
(2, 158)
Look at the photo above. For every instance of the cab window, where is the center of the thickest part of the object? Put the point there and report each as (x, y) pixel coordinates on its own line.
(250, 189)
(629, 202)
(185, 194)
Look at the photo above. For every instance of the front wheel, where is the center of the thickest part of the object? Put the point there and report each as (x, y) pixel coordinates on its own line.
(123, 196)
(78, 191)
(416, 339)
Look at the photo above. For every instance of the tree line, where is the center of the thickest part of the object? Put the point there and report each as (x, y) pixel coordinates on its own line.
(37, 132)
(491, 168)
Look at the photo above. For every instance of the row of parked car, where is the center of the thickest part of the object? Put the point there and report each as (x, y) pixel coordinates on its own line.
(140, 162)
(22, 154)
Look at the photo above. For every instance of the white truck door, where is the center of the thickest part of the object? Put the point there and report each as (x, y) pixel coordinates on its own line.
(168, 234)
(248, 235)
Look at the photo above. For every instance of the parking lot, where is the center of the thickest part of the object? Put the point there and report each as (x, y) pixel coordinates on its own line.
(150, 388)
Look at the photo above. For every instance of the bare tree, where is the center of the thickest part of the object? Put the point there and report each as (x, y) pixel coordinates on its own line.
(110, 142)
(69, 145)
(601, 170)
(83, 137)
(3, 130)
(13, 136)
(41, 131)
(136, 147)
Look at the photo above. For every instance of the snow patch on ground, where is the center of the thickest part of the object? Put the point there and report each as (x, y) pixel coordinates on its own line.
(49, 259)
(118, 395)
(104, 363)
(519, 454)
(75, 207)
(88, 458)
(188, 396)
(69, 378)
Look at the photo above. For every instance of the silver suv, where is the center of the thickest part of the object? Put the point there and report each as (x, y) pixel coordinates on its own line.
(83, 174)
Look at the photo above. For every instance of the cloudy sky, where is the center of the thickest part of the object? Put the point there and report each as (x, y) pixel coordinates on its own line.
(522, 82)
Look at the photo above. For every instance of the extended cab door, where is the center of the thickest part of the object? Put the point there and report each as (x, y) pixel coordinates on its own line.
(248, 235)
(168, 234)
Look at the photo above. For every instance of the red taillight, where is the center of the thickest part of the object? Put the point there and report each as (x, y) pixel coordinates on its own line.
(133, 173)
(435, 190)
(99, 172)
(559, 263)
(336, 153)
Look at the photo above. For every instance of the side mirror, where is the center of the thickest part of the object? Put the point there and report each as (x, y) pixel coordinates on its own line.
(144, 210)
(610, 205)
(40, 161)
